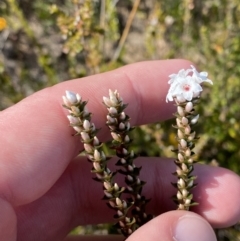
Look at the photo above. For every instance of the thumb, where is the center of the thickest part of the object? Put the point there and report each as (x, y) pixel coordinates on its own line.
(175, 226)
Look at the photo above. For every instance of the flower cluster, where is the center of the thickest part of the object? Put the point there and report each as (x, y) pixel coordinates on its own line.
(185, 89)
(186, 84)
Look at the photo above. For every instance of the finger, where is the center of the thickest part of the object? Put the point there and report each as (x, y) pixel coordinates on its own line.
(175, 225)
(8, 222)
(95, 238)
(76, 198)
(36, 135)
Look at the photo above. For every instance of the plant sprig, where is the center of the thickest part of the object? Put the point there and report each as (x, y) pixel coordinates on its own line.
(185, 89)
(118, 122)
(119, 126)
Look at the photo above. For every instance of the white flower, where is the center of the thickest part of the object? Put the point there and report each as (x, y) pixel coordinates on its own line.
(71, 98)
(113, 100)
(186, 84)
(201, 77)
(107, 101)
(73, 120)
(184, 89)
(181, 74)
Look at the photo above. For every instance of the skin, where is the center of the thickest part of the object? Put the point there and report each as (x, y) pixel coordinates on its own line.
(45, 190)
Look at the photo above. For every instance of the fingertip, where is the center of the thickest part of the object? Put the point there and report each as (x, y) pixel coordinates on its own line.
(177, 226)
(218, 193)
(8, 221)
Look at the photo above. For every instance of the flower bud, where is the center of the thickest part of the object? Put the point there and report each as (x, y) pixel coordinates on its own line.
(107, 101)
(121, 126)
(179, 172)
(189, 106)
(86, 125)
(118, 201)
(179, 124)
(180, 157)
(184, 167)
(188, 152)
(180, 111)
(130, 189)
(107, 194)
(126, 139)
(122, 224)
(103, 156)
(73, 120)
(180, 98)
(107, 185)
(179, 196)
(194, 119)
(72, 97)
(184, 193)
(181, 207)
(129, 178)
(97, 155)
(190, 184)
(116, 136)
(113, 100)
(85, 136)
(112, 110)
(124, 151)
(190, 160)
(192, 136)
(113, 96)
(123, 161)
(75, 110)
(112, 204)
(130, 168)
(128, 126)
(187, 130)
(184, 121)
(116, 187)
(99, 176)
(95, 141)
(124, 204)
(180, 134)
(88, 148)
(127, 219)
(138, 181)
(79, 98)
(183, 143)
(66, 102)
(111, 120)
(181, 183)
(119, 213)
(77, 128)
(122, 116)
(138, 209)
(97, 166)
(85, 112)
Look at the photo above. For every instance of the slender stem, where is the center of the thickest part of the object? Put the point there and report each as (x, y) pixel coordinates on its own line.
(126, 30)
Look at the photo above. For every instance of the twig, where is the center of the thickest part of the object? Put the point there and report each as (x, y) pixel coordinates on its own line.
(102, 25)
(126, 30)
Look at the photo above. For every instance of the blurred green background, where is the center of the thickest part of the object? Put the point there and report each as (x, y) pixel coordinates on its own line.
(45, 42)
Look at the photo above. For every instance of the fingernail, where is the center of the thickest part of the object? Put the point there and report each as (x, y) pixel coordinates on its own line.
(193, 228)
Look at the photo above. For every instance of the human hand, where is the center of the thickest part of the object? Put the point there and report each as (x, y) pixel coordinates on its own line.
(45, 190)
